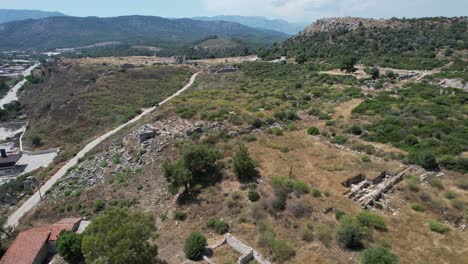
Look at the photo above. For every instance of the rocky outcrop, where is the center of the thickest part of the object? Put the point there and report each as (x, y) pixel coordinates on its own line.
(454, 83)
(349, 23)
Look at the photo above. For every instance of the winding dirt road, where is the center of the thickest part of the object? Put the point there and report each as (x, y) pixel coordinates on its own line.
(35, 199)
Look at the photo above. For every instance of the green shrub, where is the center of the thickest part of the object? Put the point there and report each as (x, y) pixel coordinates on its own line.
(179, 215)
(339, 214)
(355, 129)
(219, 225)
(366, 159)
(253, 196)
(350, 233)
(314, 112)
(451, 195)
(418, 207)
(437, 183)
(369, 219)
(243, 165)
(323, 233)
(116, 158)
(69, 246)
(195, 245)
(413, 182)
(378, 255)
(313, 130)
(282, 250)
(462, 183)
(458, 204)
(316, 193)
(339, 139)
(438, 227)
(99, 205)
(301, 187)
(307, 235)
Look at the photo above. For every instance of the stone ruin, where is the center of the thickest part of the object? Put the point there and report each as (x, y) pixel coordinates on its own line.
(368, 193)
(248, 253)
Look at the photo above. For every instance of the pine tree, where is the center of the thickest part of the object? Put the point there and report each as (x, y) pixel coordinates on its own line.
(244, 166)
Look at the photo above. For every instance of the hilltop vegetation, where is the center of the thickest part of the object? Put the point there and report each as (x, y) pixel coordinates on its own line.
(398, 43)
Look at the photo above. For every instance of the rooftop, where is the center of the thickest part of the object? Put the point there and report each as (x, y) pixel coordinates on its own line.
(26, 246)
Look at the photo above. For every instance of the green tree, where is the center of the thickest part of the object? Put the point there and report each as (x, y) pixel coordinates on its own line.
(201, 160)
(373, 72)
(347, 64)
(69, 246)
(197, 166)
(194, 245)
(120, 237)
(243, 165)
(301, 58)
(177, 176)
(378, 255)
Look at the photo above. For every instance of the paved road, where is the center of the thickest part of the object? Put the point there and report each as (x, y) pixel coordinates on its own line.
(34, 200)
(12, 95)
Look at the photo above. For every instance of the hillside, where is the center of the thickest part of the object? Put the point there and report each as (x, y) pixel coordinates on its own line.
(399, 43)
(8, 15)
(260, 22)
(67, 32)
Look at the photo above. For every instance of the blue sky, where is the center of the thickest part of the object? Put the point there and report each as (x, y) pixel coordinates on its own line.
(292, 10)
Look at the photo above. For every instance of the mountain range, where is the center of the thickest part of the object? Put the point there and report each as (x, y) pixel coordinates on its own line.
(8, 15)
(260, 22)
(67, 31)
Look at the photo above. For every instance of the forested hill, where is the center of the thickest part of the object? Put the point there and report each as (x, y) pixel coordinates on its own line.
(393, 42)
(8, 15)
(63, 32)
(260, 22)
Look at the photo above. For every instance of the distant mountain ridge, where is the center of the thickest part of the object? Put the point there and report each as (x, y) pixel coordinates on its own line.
(9, 15)
(260, 22)
(64, 32)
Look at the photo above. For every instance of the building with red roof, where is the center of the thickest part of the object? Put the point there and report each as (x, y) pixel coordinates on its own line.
(32, 246)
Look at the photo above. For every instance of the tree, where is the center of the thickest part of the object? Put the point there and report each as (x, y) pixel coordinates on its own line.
(120, 237)
(301, 58)
(380, 255)
(348, 63)
(374, 72)
(200, 160)
(177, 176)
(69, 246)
(243, 165)
(197, 165)
(194, 245)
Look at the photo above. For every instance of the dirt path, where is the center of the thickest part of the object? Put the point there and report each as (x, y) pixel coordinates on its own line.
(34, 200)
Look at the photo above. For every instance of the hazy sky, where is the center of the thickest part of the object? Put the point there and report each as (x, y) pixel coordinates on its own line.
(292, 10)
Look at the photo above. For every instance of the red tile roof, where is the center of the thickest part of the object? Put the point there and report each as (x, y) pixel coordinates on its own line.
(26, 246)
(66, 224)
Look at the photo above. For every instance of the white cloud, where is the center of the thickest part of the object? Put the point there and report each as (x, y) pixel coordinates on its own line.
(294, 10)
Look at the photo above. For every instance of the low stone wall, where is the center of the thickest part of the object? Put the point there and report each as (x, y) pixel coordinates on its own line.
(247, 252)
(39, 152)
